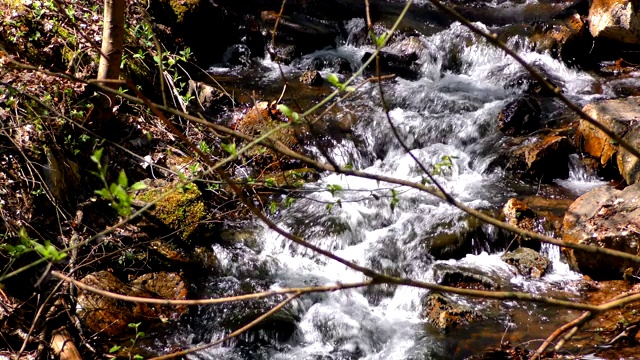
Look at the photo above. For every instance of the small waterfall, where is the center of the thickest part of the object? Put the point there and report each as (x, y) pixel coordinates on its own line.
(581, 179)
(447, 118)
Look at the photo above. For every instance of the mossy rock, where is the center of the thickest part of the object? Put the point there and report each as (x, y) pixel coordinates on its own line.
(181, 8)
(181, 211)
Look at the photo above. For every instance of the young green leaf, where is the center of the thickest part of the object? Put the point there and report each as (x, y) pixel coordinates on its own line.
(333, 188)
(288, 112)
(138, 186)
(230, 148)
(394, 199)
(97, 155)
(333, 79)
(122, 179)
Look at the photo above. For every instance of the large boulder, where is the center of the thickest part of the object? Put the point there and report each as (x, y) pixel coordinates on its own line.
(616, 20)
(617, 115)
(606, 218)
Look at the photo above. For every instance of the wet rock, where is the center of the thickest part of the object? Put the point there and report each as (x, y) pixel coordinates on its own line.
(311, 78)
(362, 36)
(607, 218)
(458, 237)
(284, 53)
(445, 315)
(331, 63)
(259, 119)
(305, 32)
(531, 85)
(617, 115)
(208, 99)
(506, 351)
(519, 117)
(233, 315)
(464, 278)
(182, 211)
(629, 164)
(537, 214)
(616, 20)
(237, 55)
(400, 57)
(528, 262)
(404, 66)
(517, 213)
(566, 38)
(111, 317)
(543, 158)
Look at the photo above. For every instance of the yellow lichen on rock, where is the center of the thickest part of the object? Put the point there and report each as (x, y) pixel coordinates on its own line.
(183, 7)
(180, 211)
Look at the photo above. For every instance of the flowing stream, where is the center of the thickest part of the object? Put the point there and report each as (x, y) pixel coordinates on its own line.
(447, 114)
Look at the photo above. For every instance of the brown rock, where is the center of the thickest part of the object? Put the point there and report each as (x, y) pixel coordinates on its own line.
(103, 314)
(262, 118)
(528, 262)
(443, 314)
(111, 317)
(208, 98)
(615, 20)
(629, 164)
(519, 117)
(545, 158)
(160, 285)
(617, 115)
(311, 78)
(535, 213)
(565, 37)
(518, 214)
(608, 218)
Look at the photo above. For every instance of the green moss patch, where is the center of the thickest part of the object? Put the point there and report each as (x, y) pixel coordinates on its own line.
(181, 211)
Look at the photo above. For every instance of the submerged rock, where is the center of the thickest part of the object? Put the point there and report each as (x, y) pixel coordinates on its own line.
(519, 117)
(231, 316)
(302, 31)
(607, 218)
(528, 262)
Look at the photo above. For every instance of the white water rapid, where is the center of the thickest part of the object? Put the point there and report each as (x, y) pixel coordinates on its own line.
(448, 114)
